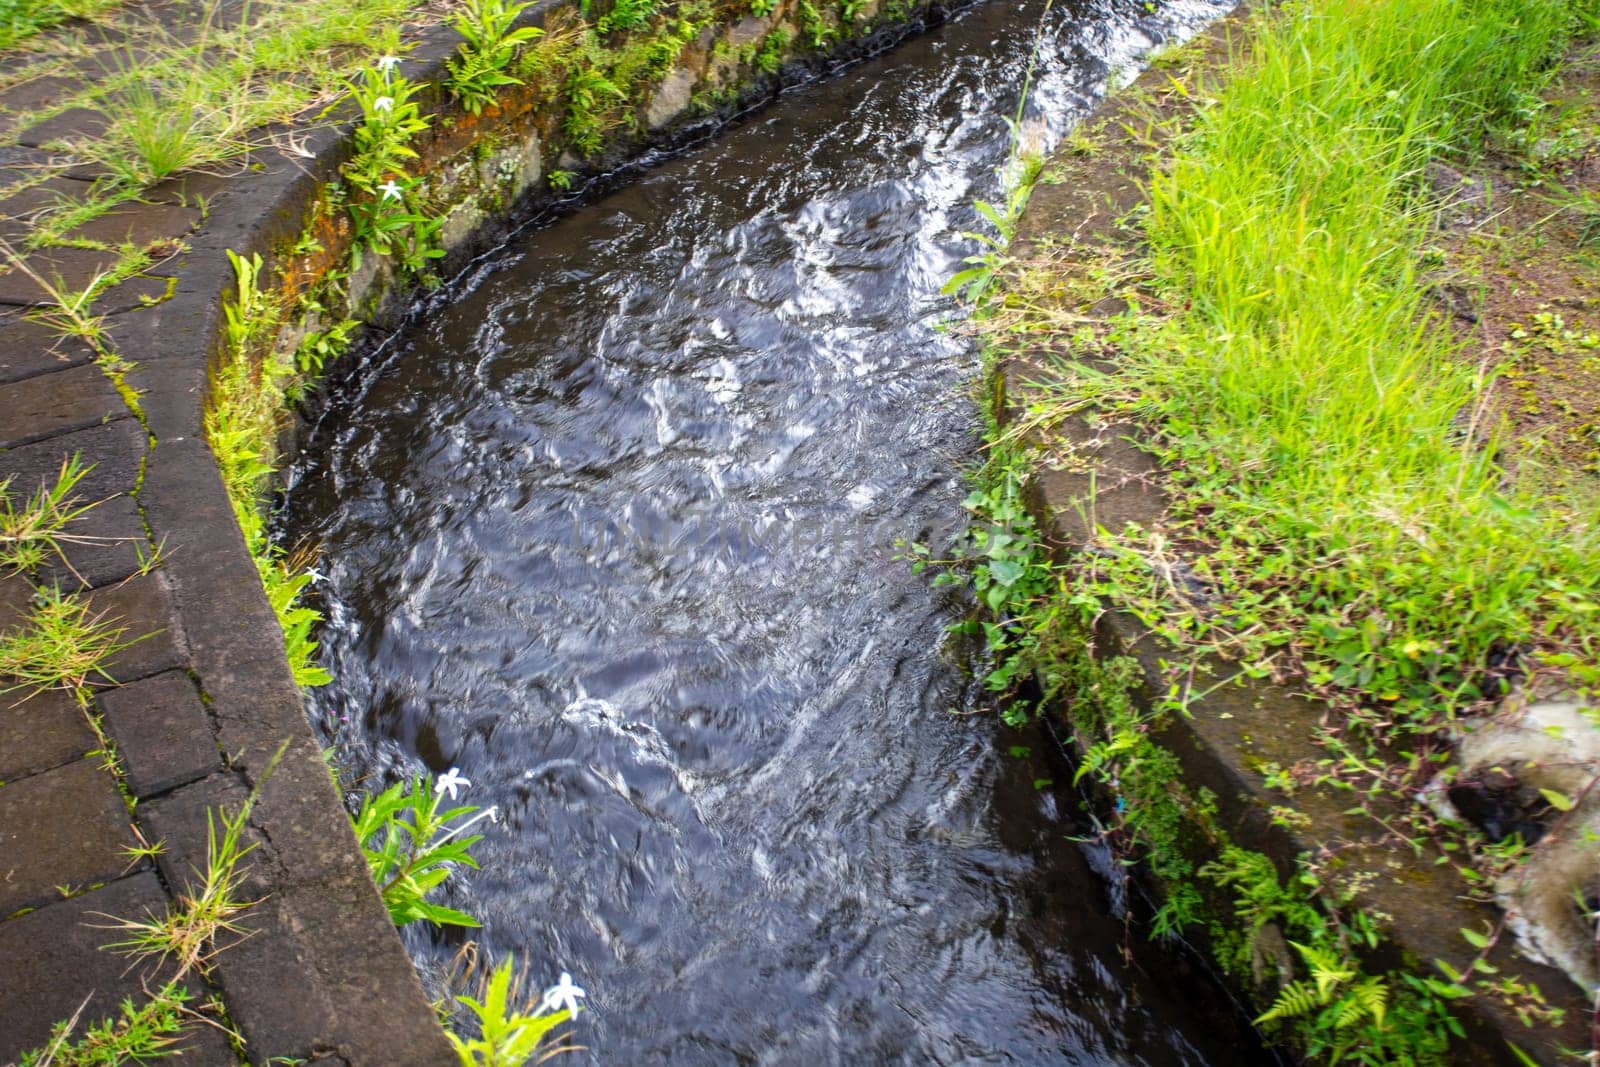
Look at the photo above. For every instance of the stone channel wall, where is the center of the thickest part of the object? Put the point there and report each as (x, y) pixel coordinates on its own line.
(205, 710)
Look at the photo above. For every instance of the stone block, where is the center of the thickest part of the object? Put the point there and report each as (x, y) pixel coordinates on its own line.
(143, 608)
(138, 224)
(65, 827)
(46, 730)
(162, 732)
(30, 348)
(69, 270)
(113, 528)
(54, 960)
(50, 404)
(75, 123)
(181, 821)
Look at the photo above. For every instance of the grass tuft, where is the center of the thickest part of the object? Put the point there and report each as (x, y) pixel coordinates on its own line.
(60, 645)
(187, 933)
(1330, 454)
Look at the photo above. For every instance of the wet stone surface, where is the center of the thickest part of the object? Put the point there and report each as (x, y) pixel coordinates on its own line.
(62, 828)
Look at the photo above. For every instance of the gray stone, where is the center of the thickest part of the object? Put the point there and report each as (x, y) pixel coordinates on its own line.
(671, 99)
(38, 93)
(143, 608)
(49, 404)
(112, 531)
(179, 820)
(43, 731)
(138, 224)
(133, 294)
(162, 732)
(67, 270)
(19, 211)
(75, 123)
(66, 827)
(30, 348)
(1550, 743)
(54, 961)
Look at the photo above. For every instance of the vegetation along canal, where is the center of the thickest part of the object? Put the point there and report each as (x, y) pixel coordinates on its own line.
(612, 530)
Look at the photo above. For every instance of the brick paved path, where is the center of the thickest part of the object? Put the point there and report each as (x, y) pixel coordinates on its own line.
(205, 699)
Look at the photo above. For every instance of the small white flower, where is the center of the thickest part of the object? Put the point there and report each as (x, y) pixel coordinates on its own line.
(316, 576)
(563, 995)
(450, 781)
(387, 65)
(390, 190)
(383, 103)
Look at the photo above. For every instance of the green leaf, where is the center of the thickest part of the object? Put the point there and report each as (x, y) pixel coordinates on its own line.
(1006, 571)
(1557, 800)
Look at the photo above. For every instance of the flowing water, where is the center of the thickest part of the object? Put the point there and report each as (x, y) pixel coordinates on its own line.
(613, 531)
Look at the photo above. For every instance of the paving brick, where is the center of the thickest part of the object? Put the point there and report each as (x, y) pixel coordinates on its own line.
(113, 529)
(143, 607)
(37, 197)
(54, 959)
(75, 123)
(15, 595)
(46, 730)
(232, 633)
(50, 404)
(162, 732)
(189, 188)
(138, 224)
(67, 826)
(40, 92)
(179, 821)
(271, 987)
(20, 210)
(30, 348)
(133, 294)
(70, 270)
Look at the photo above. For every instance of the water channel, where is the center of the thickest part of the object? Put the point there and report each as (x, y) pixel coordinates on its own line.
(613, 530)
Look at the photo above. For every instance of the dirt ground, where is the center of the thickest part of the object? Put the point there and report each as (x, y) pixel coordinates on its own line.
(1518, 261)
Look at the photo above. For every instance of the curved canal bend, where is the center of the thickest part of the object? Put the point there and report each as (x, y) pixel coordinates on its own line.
(613, 531)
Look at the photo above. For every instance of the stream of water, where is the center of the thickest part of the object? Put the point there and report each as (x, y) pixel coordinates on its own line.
(613, 531)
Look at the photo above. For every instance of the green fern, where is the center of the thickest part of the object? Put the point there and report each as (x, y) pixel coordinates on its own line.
(1297, 1000)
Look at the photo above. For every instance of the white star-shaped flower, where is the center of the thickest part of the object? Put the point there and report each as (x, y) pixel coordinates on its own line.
(562, 995)
(387, 65)
(390, 190)
(383, 103)
(316, 576)
(450, 781)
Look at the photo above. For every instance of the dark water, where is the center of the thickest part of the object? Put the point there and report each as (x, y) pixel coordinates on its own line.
(613, 532)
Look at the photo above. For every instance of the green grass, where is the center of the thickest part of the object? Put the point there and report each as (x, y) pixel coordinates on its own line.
(21, 20)
(1333, 460)
(175, 107)
(249, 400)
(60, 644)
(187, 932)
(35, 530)
(139, 1033)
